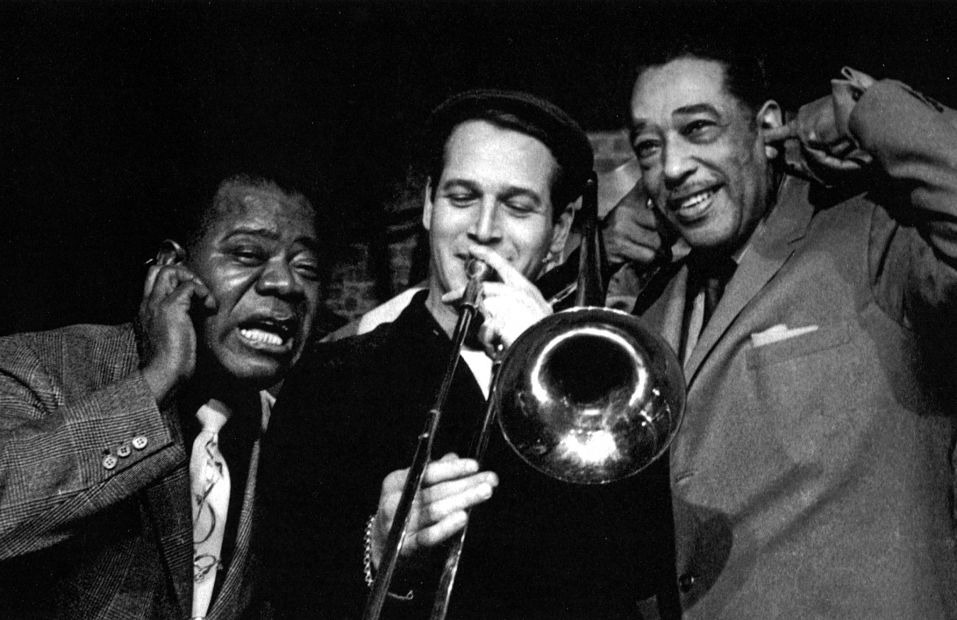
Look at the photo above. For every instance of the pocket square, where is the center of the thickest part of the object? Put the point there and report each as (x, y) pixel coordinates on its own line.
(779, 332)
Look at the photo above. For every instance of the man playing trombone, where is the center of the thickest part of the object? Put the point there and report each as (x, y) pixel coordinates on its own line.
(504, 171)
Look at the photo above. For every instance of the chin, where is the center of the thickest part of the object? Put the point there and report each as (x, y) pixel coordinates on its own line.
(254, 372)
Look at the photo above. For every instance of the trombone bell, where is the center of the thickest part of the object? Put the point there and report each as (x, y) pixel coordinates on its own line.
(590, 395)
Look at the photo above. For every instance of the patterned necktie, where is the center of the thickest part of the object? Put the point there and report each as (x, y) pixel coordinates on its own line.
(209, 485)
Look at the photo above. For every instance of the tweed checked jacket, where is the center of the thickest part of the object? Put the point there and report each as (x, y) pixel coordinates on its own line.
(811, 477)
(94, 486)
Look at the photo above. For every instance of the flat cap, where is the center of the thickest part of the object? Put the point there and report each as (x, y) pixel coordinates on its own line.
(549, 124)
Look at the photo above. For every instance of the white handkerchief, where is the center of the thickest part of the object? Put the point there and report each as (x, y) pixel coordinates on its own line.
(779, 332)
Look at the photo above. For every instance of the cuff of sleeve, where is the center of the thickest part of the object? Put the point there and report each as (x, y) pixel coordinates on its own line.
(890, 112)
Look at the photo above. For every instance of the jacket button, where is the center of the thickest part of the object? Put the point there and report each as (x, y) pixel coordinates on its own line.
(109, 461)
(686, 582)
(124, 451)
(139, 442)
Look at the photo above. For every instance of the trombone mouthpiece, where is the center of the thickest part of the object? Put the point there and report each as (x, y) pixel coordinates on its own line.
(479, 270)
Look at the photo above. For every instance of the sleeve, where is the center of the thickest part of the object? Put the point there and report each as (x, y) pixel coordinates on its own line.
(69, 449)
(315, 490)
(913, 254)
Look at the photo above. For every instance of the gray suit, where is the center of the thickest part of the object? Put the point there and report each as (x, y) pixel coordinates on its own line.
(811, 477)
(94, 486)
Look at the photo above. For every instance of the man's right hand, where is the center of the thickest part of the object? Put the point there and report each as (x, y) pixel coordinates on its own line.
(450, 486)
(165, 329)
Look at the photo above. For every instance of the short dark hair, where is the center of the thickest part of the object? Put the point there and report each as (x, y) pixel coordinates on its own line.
(524, 113)
(744, 65)
(210, 210)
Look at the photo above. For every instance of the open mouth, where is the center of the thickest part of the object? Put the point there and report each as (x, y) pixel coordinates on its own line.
(691, 207)
(269, 334)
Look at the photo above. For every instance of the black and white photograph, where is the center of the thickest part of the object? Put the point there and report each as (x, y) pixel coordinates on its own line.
(498, 310)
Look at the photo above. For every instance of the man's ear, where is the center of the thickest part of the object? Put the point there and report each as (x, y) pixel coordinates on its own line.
(170, 253)
(770, 117)
(560, 231)
(427, 205)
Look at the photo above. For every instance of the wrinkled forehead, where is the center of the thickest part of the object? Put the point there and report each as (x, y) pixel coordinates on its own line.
(264, 208)
(662, 90)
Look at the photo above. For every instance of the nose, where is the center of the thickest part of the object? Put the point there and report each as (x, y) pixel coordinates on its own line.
(485, 227)
(678, 164)
(279, 279)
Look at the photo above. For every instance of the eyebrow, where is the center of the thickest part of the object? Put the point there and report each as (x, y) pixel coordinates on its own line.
(695, 108)
(509, 192)
(272, 234)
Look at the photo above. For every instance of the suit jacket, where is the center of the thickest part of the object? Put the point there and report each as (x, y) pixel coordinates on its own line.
(94, 486)
(350, 413)
(811, 476)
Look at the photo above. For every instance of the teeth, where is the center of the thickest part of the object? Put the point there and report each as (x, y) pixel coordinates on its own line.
(695, 199)
(259, 335)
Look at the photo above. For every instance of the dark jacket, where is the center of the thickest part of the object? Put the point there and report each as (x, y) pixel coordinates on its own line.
(538, 549)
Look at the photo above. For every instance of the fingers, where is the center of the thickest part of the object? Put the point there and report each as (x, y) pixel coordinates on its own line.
(175, 284)
(631, 235)
(859, 78)
(831, 163)
(436, 533)
(780, 134)
(453, 296)
(150, 281)
(442, 499)
(449, 467)
(450, 487)
(508, 312)
(509, 274)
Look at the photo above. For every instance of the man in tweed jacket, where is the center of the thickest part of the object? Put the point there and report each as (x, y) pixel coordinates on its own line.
(96, 422)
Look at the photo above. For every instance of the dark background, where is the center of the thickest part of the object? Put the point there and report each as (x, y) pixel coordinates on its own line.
(112, 114)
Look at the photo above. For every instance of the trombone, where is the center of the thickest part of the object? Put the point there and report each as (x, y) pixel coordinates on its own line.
(580, 429)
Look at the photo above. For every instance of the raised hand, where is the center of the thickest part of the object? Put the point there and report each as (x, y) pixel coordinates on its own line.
(508, 307)
(821, 129)
(167, 337)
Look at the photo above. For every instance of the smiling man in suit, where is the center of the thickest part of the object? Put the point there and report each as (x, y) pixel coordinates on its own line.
(129, 453)
(811, 476)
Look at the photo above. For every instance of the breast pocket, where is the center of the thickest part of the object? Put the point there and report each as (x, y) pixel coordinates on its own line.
(802, 387)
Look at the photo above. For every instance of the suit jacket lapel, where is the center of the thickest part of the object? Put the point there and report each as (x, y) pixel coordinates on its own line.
(661, 303)
(770, 248)
(234, 586)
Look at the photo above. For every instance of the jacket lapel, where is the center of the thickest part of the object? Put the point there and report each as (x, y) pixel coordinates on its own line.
(234, 584)
(771, 246)
(661, 302)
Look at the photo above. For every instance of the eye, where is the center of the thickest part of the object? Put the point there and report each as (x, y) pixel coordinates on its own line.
(308, 270)
(307, 267)
(698, 128)
(460, 199)
(646, 148)
(520, 208)
(248, 255)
